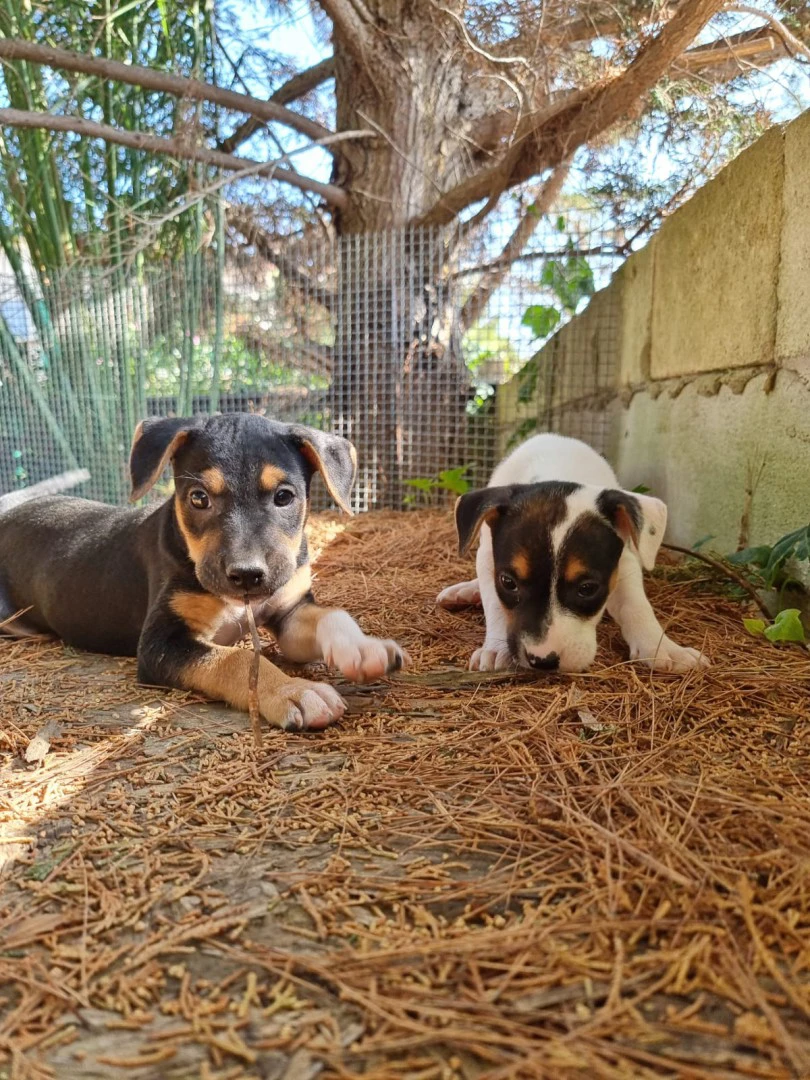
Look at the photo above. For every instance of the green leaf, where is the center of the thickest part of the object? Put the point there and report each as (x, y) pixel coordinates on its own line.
(795, 545)
(570, 280)
(164, 18)
(755, 627)
(453, 480)
(540, 319)
(787, 626)
(422, 483)
(560, 224)
(752, 556)
(641, 489)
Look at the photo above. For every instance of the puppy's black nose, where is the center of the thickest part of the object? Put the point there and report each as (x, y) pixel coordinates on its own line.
(545, 663)
(246, 577)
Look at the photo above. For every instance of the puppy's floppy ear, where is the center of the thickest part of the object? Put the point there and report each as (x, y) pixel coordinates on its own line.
(639, 520)
(477, 508)
(154, 443)
(333, 457)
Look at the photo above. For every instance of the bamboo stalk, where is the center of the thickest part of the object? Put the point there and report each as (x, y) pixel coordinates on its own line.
(26, 377)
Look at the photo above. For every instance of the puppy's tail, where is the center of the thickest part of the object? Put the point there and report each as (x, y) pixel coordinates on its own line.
(52, 486)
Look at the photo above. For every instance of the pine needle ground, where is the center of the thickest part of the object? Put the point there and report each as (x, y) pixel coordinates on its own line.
(605, 875)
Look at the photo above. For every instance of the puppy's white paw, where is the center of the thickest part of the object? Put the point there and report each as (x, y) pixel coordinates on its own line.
(666, 655)
(366, 659)
(491, 658)
(301, 705)
(465, 594)
(357, 657)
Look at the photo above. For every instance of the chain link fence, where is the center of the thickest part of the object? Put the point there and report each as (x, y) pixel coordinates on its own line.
(401, 341)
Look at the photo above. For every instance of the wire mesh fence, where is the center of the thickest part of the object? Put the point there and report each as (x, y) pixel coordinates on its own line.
(401, 341)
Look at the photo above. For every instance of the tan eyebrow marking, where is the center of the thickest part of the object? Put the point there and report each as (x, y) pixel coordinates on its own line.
(520, 564)
(271, 476)
(574, 568)
(214, 480)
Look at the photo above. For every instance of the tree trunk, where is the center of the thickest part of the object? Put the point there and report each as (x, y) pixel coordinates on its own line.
(400, 386)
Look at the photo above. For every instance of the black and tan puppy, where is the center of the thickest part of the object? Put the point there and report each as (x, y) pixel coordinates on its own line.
(170, 584)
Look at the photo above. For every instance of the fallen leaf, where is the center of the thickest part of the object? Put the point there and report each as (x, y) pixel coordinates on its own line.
(41, 742)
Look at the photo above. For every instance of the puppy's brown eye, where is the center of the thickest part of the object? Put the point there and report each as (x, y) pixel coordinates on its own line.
(587, 589)
(199, 499)
(508, 583)
(283, 497)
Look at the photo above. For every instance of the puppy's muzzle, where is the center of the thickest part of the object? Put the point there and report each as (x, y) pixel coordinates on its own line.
(248, 580)
(544, 663)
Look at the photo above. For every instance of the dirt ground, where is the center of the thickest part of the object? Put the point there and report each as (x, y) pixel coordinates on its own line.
(604, 875)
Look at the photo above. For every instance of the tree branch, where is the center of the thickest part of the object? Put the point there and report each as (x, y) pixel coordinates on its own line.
(548, 193)
(294, 88)
(547, 138)
(241, 219)
(790, 41)
(149, 79)
(725, 58)
(138, 140)
(564, 31)
(352, 23)
(717, 61)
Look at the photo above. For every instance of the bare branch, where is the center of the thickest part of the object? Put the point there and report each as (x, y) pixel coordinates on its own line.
(138, 140)
(491, 57)
(725, 58)
(545, 139)
(515, 245)
(791, 42)
(149, 79)
(294, 88)
(564, 31)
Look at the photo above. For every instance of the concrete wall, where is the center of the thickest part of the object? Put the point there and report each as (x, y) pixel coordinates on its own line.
(699, 354)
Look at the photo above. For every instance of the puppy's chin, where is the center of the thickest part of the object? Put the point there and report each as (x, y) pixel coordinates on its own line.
(572, 662)
(575, 667)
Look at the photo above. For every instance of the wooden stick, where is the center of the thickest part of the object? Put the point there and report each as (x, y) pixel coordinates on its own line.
(253, 680)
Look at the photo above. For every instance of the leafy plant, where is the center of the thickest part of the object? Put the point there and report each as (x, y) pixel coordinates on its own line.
(569, 280)
(787, 626)
(771, 561)
(541, 319)
(773, 569)
(450, 480)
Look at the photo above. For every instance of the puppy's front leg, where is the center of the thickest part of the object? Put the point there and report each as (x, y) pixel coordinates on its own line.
(494, 654)
(310, 632)
(172, 653)
(629, 606)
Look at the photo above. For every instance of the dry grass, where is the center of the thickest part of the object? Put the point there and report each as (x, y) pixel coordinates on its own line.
(599, 876)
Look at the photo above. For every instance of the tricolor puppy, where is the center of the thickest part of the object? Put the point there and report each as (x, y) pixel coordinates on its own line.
(560, 543)
(170, 584)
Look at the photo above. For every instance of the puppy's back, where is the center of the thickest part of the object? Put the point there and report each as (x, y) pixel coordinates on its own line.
(554, 457)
